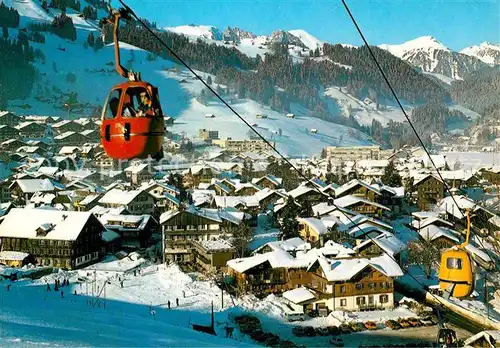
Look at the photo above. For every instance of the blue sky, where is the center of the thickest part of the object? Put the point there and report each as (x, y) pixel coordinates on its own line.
(456, 23)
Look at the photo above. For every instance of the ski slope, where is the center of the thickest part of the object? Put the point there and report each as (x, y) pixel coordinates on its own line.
(29, 11)
(309, 40)
(31, 316)
(95, 75)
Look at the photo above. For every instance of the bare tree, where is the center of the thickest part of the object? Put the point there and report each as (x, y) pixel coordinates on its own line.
(423, 254)
(241, 237)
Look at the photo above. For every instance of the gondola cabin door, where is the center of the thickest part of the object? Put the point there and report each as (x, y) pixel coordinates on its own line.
(132, 122)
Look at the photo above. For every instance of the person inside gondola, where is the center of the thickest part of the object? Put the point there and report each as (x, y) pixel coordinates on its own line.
(145, 105)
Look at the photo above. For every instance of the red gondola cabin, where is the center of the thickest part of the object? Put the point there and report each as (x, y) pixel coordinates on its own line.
(132, 122)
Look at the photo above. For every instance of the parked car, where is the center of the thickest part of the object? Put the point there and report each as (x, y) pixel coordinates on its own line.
(404, 323)
(345, 329)
(299, 331)
(309, 330)
(295, 316)
(322, 331)
(393, 324)
(333, 330)
(427, 321)
(370, 325)
(357, 327)
(414, 322)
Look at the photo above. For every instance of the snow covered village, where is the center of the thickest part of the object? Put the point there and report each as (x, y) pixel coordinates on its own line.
(270, 191)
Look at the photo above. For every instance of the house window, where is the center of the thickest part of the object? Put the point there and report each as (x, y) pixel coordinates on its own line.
(359, 286)
(343, 302)
(342, 288)
(372, 285)
(388, 285)
(360, 301)
(384, 298)
(382, 285)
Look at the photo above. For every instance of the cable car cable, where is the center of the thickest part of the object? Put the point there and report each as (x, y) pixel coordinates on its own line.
(402, 108)
(266, 141)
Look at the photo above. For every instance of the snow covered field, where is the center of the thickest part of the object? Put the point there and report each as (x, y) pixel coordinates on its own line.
(122, 316)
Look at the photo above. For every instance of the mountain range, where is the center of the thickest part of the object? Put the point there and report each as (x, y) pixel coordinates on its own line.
(346, 90)
(425, 53)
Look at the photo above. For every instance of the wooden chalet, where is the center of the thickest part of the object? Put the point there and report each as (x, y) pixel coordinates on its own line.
(428, 190)
(62, 239)
(9, 118)
(67, 126)
(8, 132)
(212, 256)
(31, 130)
(70, 138)
(186, 224)
(135, 201)
(134, 230)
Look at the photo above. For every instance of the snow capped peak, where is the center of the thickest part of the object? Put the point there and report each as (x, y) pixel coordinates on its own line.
(486, 51)
(236, 34)
(423, 43)
(307, 39)
(286, 37)
(195, 31)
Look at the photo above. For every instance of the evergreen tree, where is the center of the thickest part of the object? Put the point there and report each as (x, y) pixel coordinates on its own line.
(391, 176)
(5, 32)
(209, 80)
(288, 224)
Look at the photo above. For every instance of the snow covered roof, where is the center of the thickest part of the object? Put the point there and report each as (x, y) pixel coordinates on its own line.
(387, 242)
(421, 215)
(89, 199)
(491, 336)
(353, 183)
(422, 177)
(65, 150)
(48, 170)
(349, 200)
(216, 215)
(320, 226)
(202, 196)
(41, 197)
(136, 168)
(276, 181)
(429, 221)
(439, 161)
(117, 221)
(277, 259)
(300, 190)
(299, 295)
(60, 225)
(117, 196)
(433, 232)
(35, 185)
(235, 201)
(345, 269)
(448, 205)
(64, 135)
(12, 255)
(475, 251)
(369, 163)
(215, 245)
(291, 244)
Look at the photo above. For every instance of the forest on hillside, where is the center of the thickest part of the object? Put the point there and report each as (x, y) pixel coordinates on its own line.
(479, 92)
